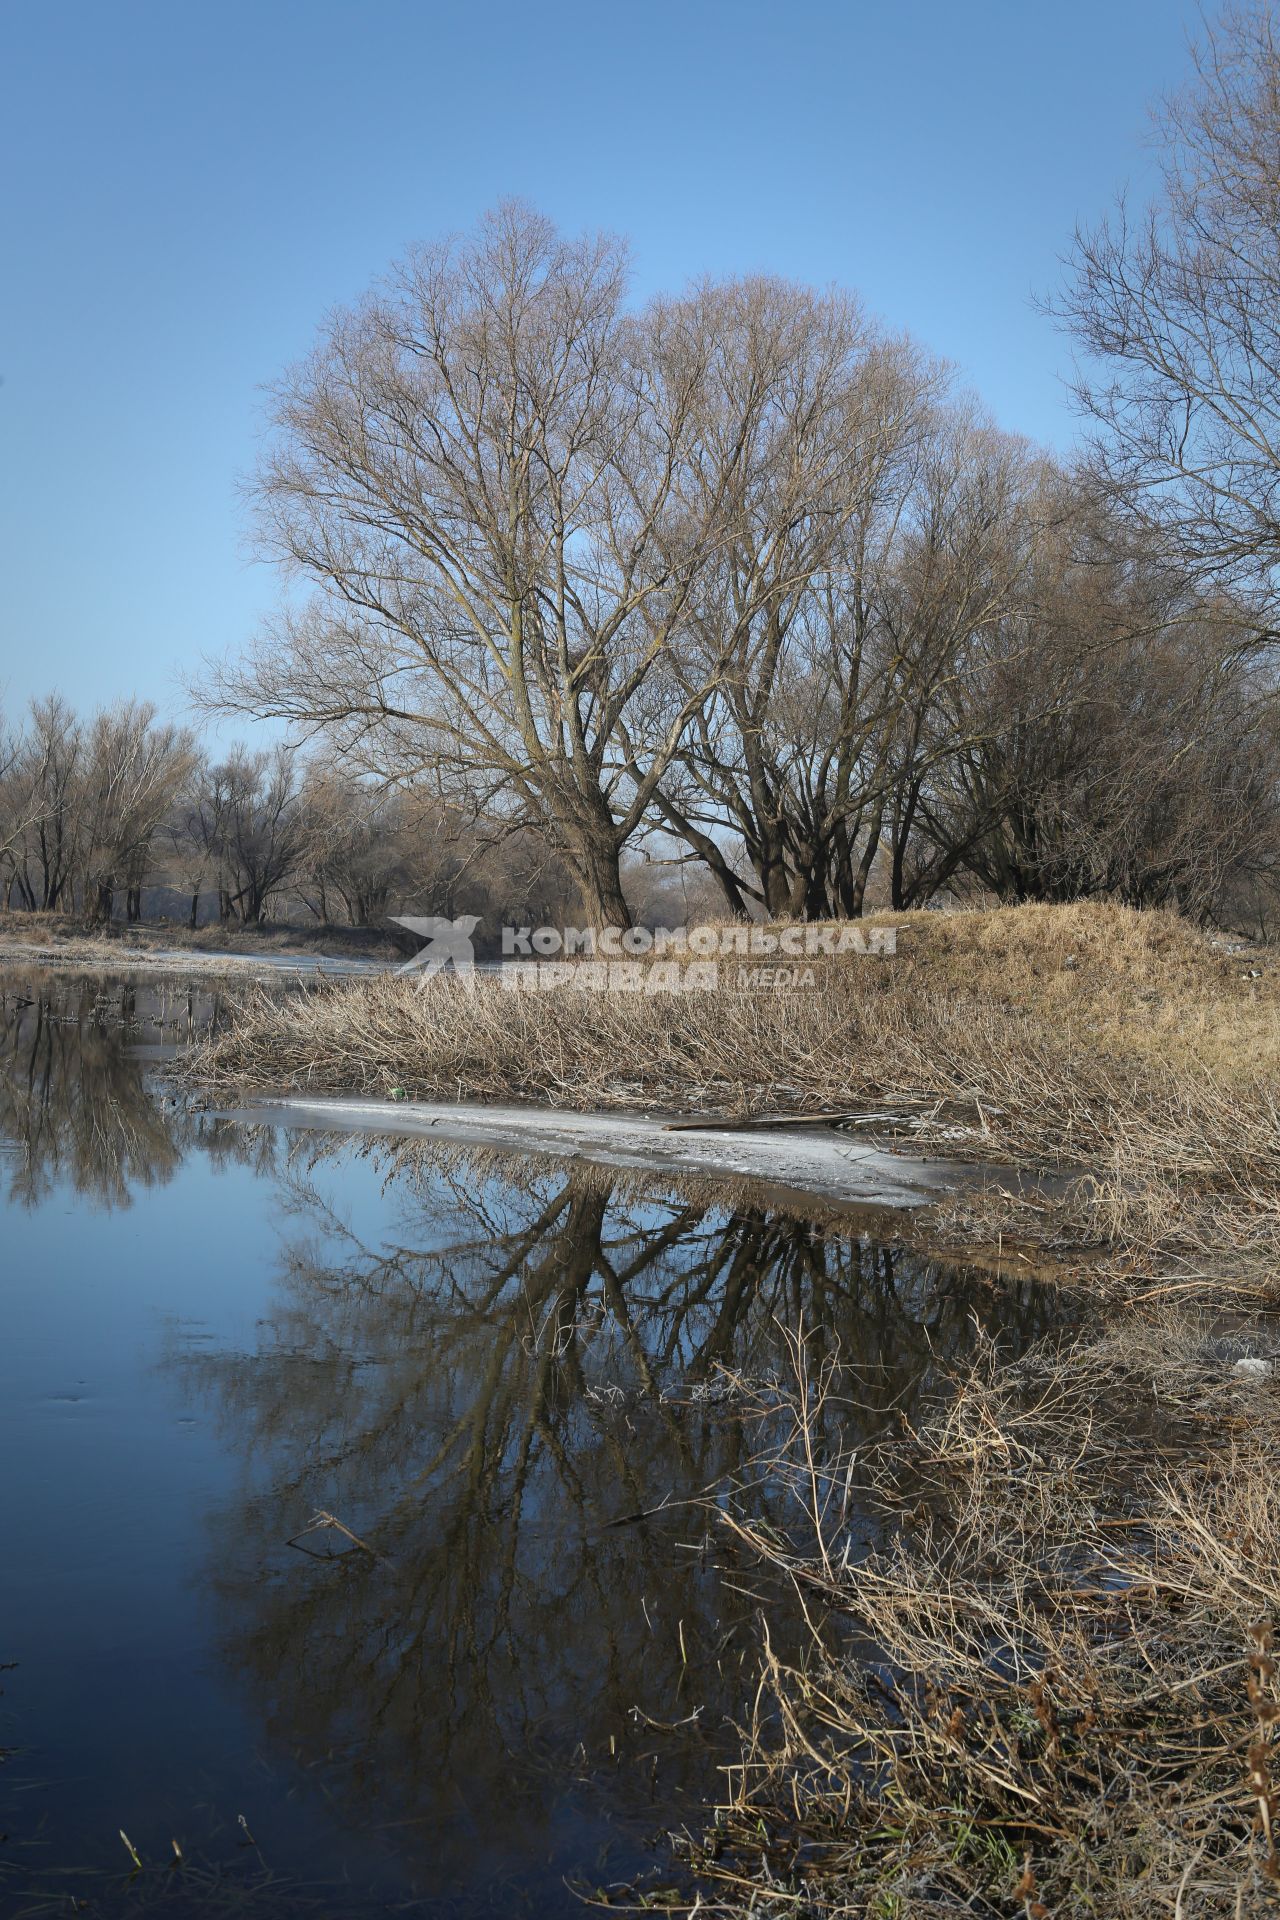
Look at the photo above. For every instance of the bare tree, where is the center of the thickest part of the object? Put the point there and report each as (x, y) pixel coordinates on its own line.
(806, 751)
(193, 831)
(133, 771)
(22, 800)
(963, 572)
(1178, 309)
(489, 474)
(1107, 737)
(358, 845)
(46, 787)
(260, 832)
(829, 405)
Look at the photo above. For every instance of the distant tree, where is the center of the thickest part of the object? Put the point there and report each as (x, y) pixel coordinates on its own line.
(261, 831)
(21, 801)
(46, 786)
(193, 832)
(357, 846)
(133, 770)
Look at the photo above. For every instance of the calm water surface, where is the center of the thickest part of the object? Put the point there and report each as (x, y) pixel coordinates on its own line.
(211, 1333)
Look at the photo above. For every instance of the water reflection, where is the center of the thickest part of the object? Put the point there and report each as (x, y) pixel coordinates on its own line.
(487, 1401)
(78, 1100)
(513, 1383)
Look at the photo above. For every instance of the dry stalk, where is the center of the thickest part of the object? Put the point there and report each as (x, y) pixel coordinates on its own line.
(1050, 1689)
(1148, 1071)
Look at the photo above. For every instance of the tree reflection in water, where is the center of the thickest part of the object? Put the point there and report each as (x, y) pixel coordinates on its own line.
(77, 1101)
(486, 1387)
(532, 1360)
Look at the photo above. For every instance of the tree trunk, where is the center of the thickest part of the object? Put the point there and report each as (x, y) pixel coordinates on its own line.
(817, 891)
(594, 854)
(194, 920)
(858, 892)
(712, 856)
(770, 861)
(904, 821)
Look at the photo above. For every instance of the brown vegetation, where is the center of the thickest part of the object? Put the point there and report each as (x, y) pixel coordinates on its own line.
(1050, 1688)
(1123, 1046)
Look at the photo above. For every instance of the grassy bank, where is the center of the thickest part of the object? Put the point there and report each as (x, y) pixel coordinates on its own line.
(1124, 1046)
(1047, 1687)
(1050, 1688)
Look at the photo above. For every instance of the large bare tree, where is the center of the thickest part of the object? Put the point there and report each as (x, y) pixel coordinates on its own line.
(832, 407)
(807, 749)
(491, 475)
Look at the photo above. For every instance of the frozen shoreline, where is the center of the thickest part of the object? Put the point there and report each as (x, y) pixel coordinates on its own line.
(835, 1167)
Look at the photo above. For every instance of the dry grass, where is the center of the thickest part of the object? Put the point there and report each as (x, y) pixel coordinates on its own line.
(1087, 1037)
(1050, 1689)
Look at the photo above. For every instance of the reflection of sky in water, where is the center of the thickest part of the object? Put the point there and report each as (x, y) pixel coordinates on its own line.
(207, 1338)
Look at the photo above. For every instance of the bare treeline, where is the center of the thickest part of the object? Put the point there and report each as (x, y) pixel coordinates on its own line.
(82, 805)
(738, 577)
(94, 812)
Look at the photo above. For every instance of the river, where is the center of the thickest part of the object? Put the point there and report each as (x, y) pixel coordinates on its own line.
(489, 1686)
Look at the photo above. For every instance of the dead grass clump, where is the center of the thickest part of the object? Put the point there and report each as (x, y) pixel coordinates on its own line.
(964, 1026)
(1152, 1061)
(1051, 1688)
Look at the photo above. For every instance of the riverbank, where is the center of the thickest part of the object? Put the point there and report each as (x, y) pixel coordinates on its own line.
(1039, 1676)
(1048, 1686)
(54, 941)
(1125, 1051)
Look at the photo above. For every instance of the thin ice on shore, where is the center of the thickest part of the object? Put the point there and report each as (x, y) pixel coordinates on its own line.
(832, 1166)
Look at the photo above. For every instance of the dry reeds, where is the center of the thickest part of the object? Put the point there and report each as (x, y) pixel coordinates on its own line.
(1048, 1685)
(1151, 1061)
(1051, 1687)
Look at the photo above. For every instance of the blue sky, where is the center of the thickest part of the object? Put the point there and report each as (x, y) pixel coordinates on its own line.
(190, 184)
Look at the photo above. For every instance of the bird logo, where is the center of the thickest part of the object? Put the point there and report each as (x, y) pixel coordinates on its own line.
(448, 943)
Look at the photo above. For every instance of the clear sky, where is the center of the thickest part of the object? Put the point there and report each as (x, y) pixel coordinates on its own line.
(188, 185)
